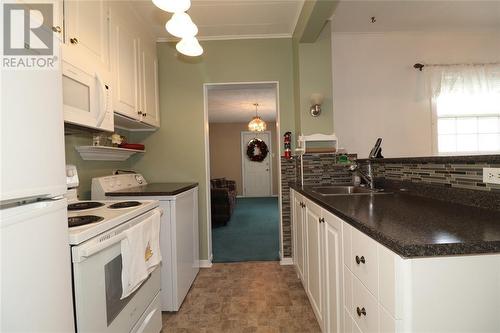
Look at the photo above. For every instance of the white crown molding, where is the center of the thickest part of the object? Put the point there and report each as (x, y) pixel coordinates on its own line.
(228, 37)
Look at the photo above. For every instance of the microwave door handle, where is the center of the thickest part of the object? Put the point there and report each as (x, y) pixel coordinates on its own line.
(103, 100)
(87, 252)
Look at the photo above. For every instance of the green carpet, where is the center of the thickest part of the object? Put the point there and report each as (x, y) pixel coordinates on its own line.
(251, 234)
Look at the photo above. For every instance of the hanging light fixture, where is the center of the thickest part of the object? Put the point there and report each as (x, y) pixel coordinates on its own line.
(257, 124)
(180, 25)
(189, 46)
(173, 6)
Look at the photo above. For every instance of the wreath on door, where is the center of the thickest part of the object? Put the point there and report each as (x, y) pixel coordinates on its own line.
(257, 150)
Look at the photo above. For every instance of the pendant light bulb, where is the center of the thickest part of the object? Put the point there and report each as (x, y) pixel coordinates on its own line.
(180, 25)
(189, 46)
(173, 6)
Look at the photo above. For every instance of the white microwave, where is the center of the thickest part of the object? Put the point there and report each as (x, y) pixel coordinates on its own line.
(86, 99)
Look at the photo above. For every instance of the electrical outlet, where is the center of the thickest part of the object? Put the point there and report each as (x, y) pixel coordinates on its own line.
(491, 175)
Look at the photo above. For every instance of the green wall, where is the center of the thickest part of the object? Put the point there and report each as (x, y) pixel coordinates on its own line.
(88, 169)
(315, 67)
(176, 151)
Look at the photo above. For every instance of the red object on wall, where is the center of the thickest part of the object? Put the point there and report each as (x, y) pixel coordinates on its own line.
(287, 140)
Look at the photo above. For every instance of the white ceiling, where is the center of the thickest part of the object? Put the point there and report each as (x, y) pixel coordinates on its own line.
(226, 19)
(412, 15)
(234, 103)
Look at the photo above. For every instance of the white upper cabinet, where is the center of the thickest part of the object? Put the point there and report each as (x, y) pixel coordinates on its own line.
(86, 34)
(125, 66)
(149, 70)
(107, 39)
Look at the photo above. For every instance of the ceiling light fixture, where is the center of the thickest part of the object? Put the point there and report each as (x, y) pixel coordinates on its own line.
(189, 46)
(257, 124)
(173, 6)
(180, 25)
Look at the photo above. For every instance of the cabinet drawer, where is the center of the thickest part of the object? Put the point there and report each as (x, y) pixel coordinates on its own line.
(365, 308)
(364, 260)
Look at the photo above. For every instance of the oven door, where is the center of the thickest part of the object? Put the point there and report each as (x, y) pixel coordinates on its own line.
(98, 288)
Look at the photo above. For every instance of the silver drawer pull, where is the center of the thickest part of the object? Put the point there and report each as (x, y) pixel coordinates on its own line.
(360, 260)
(361, 311)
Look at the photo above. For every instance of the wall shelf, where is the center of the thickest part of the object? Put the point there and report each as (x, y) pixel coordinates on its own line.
(103, 153)
(331, 142)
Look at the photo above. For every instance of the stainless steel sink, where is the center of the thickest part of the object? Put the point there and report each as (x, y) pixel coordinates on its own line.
(346, 190)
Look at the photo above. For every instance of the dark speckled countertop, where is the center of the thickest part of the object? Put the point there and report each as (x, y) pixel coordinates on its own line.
(414, 226)
(154, 189)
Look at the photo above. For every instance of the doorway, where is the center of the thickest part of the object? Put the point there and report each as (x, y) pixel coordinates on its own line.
(243, 184)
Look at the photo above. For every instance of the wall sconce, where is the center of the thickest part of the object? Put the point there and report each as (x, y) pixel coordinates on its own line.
(316, 101)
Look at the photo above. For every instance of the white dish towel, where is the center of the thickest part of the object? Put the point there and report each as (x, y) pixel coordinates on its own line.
(140, 251)
(152, 232)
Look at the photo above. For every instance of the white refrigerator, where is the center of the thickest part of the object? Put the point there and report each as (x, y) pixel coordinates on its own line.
(35, 265)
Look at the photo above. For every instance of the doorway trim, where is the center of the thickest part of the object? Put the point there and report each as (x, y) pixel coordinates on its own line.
(206, 87)
(271, 152)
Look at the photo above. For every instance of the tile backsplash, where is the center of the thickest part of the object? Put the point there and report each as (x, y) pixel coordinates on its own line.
(451, 172)
(318, 169)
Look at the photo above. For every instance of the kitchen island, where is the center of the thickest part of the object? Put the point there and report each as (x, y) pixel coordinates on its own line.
(397, 262)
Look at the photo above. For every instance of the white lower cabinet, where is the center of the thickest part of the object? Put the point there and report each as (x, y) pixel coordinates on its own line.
(355, 284)
(298, 235)
(314, 232)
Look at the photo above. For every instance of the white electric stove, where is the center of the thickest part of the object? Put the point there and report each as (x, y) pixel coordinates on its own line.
(96, 230)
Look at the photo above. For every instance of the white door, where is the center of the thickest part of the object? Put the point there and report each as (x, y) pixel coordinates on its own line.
(125, 65)
(149, 70)
(36, 268)
(87, 34)
(314, 259)
(256, 175)
(332, 273)
(298, 235)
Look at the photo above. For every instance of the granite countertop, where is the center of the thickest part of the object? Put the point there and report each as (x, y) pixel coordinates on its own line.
(154, 189)
(415, 226)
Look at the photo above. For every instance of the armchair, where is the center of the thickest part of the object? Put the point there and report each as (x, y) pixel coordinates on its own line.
(223, 199)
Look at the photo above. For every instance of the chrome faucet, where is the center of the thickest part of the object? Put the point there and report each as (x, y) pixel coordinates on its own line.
(367, 177)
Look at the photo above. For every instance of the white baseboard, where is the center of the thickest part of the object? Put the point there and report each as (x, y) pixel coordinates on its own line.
(205, 263)
(286, 261)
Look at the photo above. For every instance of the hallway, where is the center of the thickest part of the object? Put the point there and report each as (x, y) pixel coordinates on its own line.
(244, 297)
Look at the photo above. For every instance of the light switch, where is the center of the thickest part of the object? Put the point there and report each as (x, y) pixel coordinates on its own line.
(491, 175)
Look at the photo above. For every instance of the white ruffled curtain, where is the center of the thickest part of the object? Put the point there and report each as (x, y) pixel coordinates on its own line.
(463, 79)
(464, 90)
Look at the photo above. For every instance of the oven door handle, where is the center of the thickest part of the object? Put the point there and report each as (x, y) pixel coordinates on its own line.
(146, 321)
(85, 253)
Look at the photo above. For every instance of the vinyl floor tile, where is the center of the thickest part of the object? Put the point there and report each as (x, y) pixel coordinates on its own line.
(248, 297)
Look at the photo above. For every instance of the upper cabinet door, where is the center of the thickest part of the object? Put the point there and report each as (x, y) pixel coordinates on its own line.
(150, 107)
(87, 34)
(125, 67)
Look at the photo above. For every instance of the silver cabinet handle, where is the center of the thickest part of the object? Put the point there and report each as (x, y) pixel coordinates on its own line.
(73, 40)
(57, 29)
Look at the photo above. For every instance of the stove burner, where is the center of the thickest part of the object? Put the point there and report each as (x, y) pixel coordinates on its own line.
(76, 221)
(125, 204)
(84, 205)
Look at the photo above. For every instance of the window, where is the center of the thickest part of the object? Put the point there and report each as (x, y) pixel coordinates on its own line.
(467, 109)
